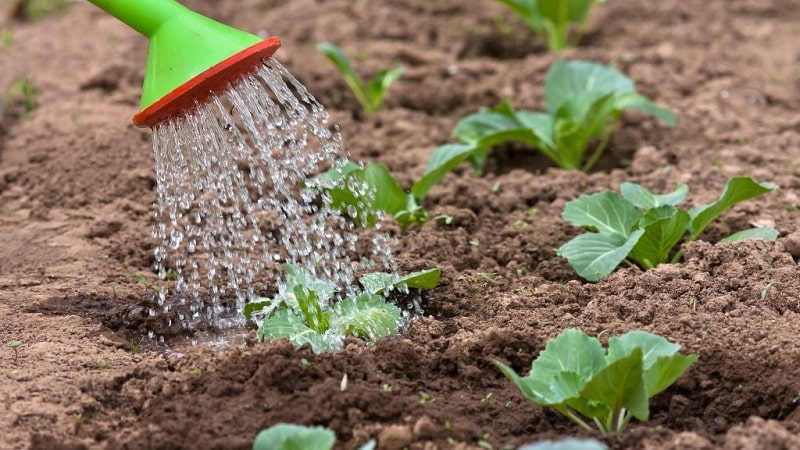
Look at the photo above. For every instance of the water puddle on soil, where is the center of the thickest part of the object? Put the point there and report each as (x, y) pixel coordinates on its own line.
(236, 202)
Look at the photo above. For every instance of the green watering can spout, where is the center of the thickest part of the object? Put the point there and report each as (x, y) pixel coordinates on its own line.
(191, 57)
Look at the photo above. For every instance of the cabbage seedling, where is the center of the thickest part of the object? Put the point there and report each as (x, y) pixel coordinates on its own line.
(369, 94)
(303, 312)
(557, 23)
(645, 228)
(370, 189)
(580, 379)
(584, 103)
(288, 436)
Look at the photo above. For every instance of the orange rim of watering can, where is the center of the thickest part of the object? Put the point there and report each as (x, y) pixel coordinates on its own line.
(200, 88)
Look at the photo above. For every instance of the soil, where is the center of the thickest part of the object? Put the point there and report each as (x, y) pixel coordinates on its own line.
(77, 184)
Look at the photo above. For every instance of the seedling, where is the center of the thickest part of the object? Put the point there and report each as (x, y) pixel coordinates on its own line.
(15, 346)
(287, 436)
(370, 94)
(645, 228)
(557, 23)
(135, 346)
(25, 91)
(580, 379)
(566, 444)
(369, 190)
(302, 311)
(584, 103)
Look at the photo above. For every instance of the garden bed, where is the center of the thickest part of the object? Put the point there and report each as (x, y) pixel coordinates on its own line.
(77, 183)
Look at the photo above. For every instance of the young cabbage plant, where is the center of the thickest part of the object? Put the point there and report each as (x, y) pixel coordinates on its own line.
(584, 103)
(557, 23)
(645, 228)
(304, 311)
(580, 379)
(370, 190)
(288, 436)
(369, 94)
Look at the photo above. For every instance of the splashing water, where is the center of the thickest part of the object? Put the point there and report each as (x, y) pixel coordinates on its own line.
(237, 199)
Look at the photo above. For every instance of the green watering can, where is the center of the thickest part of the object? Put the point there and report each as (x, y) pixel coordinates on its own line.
(191, 56)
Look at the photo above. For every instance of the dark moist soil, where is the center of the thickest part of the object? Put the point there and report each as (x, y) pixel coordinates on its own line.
(77, 183)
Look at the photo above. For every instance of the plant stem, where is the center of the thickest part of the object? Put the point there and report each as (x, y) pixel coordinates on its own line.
(601, 147)
(577, 420)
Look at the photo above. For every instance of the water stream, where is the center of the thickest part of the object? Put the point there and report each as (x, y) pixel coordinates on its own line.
(237, 200)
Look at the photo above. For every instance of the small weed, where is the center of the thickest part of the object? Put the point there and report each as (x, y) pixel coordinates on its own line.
(78, 416)
(486, 398)
(385, 387)
(101, 363)
(6, 39)
(24, 90)
(135, 346)
(197, 372)
(446, 219)
(304, 362)
(765, 291)
(15, 346)
(425, 398)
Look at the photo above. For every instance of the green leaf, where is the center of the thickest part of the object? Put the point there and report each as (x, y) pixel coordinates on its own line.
(571, 351)
(621, 385)
(765, 234)
(286, 324)
(660, 359)
(644, 199)
(737, 189)
(366, 315)
(663, 227)
(377, 282)
(606, 212)
(379, 85)
(595, 255)
(370, 95)
(581, 83)
(665, 371)
(645, 105)
(566, 444)
(285, 436)
(389, 196)
(443, 160)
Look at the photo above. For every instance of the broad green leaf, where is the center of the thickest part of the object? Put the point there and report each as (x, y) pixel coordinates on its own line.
(377, 282)
(256, 305)
(660, 358)
(571, 141)
(652, 345)
(285, 324)
(571, 351)
(663, 226)
(606, 212)
(566, 444)
(389, 196)
(644, 199)
(737, 190)
(665, 371)
(525, 10)
(443, 160)
(534, 389)
(361, 192)
(285, 436)
(765, 234)
(581, 82)
(366, 315)
(643, 104)
(621, 385)
(596, 255)
(564, 11)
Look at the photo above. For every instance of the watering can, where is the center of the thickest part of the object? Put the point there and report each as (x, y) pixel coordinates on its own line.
(191, 56)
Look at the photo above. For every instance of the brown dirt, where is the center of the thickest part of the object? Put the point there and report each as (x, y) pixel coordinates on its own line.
(77, 182)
